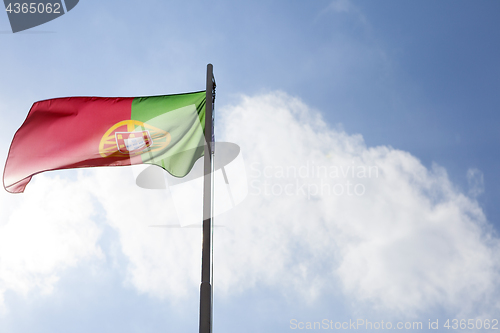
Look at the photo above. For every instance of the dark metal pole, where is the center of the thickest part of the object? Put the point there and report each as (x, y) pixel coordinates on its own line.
(206, 287)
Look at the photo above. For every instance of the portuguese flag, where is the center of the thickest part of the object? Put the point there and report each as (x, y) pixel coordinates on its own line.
(79, 132)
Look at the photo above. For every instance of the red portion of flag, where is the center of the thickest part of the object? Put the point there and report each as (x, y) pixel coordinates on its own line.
(64, 133)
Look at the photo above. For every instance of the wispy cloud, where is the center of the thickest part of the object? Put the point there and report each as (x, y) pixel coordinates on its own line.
(476, 182)
(340, 6)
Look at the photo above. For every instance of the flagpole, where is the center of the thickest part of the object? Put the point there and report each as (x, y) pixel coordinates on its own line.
(206, 267)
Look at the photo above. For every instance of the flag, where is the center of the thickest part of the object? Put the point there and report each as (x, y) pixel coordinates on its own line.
(78, 132)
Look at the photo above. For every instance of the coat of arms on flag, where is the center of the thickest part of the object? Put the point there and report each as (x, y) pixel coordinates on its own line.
(133, 142)
(133, 137)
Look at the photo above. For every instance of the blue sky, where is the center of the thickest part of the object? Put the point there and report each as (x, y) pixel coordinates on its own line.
(409, 87)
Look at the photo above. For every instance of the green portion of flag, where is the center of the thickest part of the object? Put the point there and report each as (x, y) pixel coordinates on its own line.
(180, 123)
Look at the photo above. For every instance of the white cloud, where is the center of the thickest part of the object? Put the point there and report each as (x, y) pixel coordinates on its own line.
(409, 242)
(44, 231)
(162, 262)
